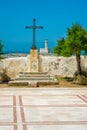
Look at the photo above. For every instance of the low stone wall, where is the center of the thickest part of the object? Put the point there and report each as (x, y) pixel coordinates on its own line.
(61, 66)
(12, 66)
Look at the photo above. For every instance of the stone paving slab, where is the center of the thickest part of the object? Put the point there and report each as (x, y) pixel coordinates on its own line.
(6, 127)
(43, 109)
(56, 127)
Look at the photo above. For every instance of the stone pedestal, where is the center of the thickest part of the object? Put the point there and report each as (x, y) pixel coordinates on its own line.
(34, 61)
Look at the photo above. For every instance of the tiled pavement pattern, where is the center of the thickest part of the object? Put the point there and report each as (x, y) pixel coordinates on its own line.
(43, 109)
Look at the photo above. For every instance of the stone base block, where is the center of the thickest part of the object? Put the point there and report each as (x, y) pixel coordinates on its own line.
(31, 84)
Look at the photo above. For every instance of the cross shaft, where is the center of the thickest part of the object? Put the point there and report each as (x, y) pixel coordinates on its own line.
(34, 27)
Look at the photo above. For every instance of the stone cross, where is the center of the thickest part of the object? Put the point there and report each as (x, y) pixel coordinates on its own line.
(34, 27)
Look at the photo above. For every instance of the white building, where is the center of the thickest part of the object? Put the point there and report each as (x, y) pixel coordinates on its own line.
(44, 50)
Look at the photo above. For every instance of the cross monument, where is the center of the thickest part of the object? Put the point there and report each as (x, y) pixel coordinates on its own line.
(34, 27)
(34, 61)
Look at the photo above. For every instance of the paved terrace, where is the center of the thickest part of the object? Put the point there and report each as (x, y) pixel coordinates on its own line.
(43, 109)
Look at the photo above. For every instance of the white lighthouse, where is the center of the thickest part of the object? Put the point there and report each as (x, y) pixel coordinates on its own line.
(45, 50)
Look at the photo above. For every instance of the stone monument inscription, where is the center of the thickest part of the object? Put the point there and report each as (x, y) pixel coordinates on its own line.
(34, 60)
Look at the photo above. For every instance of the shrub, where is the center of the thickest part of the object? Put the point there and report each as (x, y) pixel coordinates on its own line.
(80, 79)
(4, 76)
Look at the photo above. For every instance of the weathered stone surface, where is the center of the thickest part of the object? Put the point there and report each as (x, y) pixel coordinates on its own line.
(34, 60)
(61, 66)
(54, 65)
(12, 66)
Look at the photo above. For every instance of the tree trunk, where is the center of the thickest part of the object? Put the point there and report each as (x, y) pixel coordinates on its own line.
(78, 59)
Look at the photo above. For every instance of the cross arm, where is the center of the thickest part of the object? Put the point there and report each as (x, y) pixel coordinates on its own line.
(34, 27)
(39, 27)
(31, 27)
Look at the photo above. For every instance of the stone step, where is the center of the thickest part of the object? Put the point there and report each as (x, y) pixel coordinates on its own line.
(34, 78)
(17, 83)
(34, 75)
(32, 83)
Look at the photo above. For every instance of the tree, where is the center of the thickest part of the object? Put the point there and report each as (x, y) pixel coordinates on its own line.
(74, 43)
(62, 48)
(1, 48)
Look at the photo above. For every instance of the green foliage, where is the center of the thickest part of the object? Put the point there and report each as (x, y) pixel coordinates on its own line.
(80, 79)
(74, 43)
(1, 48)
(4, 76)
(62, 48)
(76, 38)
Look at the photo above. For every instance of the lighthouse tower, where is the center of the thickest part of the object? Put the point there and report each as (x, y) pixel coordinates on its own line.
(46, 45)
(45, 50)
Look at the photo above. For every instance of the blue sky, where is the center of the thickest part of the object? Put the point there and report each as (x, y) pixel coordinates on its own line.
(54, 15)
